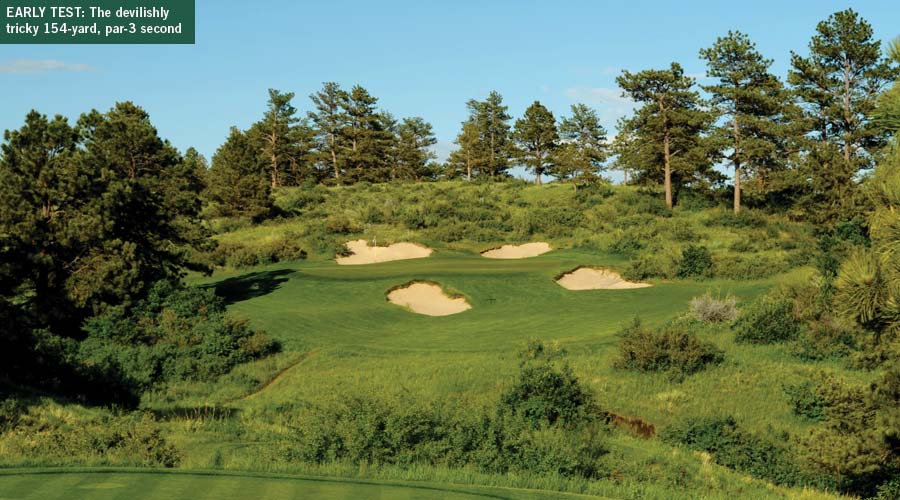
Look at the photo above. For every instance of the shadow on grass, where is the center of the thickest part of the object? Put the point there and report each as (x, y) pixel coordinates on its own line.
(251, 285)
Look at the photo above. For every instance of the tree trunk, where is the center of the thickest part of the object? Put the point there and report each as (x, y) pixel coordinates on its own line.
(337, 172)
(847, 116)
(274, 171)
(737, 163)
(668, 181)
(468, 171)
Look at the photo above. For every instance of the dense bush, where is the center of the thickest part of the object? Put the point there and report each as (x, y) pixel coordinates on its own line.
(652, 263)
(11, 409)
(741, 220)
(733, 447)
(547, 392)
(545, 423)
(64, 439)
(671, 349)
(696, 262)
(366, 430)
(806, 401)
(712, 310)
(175, 333)
(769, 319)
(239, 256)
(748, 267)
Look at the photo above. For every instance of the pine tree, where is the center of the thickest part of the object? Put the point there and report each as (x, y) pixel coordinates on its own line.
(583, 148)
(415, 140)
(237, 179)
(368, 141)
(330, 121)
(69, 209)
(491, 120)
(467, 158)
(754, 102)
(537, 138)
(664, 135)
(284, 143)
(838, 85)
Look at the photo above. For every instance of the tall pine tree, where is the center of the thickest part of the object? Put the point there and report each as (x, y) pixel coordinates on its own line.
(663, 138)
(583, 148)
(838, 85)
(537, 138)
(753, 102)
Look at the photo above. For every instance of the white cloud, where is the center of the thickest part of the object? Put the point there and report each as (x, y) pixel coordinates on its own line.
(610, 103)
(33, 66)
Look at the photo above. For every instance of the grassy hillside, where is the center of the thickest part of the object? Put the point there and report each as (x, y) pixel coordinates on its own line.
(342, 339)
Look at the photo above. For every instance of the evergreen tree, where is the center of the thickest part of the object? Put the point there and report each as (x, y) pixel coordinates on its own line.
(537, 138)
(44, 186)
(415, 140)
(284, 143)
(68, 213)
(664, 135)
(368, 141)
(491, 120)
(330, 121)
(583, 147)
(754, 102)
(237, 179)
(467, 158)
(838, 84)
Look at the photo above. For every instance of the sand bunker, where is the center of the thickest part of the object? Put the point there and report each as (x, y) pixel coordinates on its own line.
(585, 278)
(518, 251)
(365, 254)
(428, 299)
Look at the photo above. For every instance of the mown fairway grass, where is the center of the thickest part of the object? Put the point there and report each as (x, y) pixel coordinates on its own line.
(158, 485)
(323, 304)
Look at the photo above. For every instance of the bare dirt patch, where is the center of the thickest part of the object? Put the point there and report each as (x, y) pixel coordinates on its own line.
(518, 251)
(363, 253)
(428, 299)
(586, 278)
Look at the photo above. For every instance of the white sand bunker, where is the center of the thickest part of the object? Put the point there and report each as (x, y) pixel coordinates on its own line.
(585, 278)
(518, 251)
(365, 254)
(428, 299)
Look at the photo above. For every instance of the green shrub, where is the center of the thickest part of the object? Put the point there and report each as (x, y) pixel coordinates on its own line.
(825, 338)
(295, 200)
(769, 319)
(11, 409)
(130, 440)
(627, 243)
(696, 262)
(340, 224)
(806, 401)
(748, 267)
(744, 219)
(175, 333)
(545, 393)
(651, 263)
(366, 430)
(737, 449)
(681, 230)
(889, 490)
(670, 349)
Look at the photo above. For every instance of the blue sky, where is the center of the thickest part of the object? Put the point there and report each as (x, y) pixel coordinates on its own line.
(420, 58)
